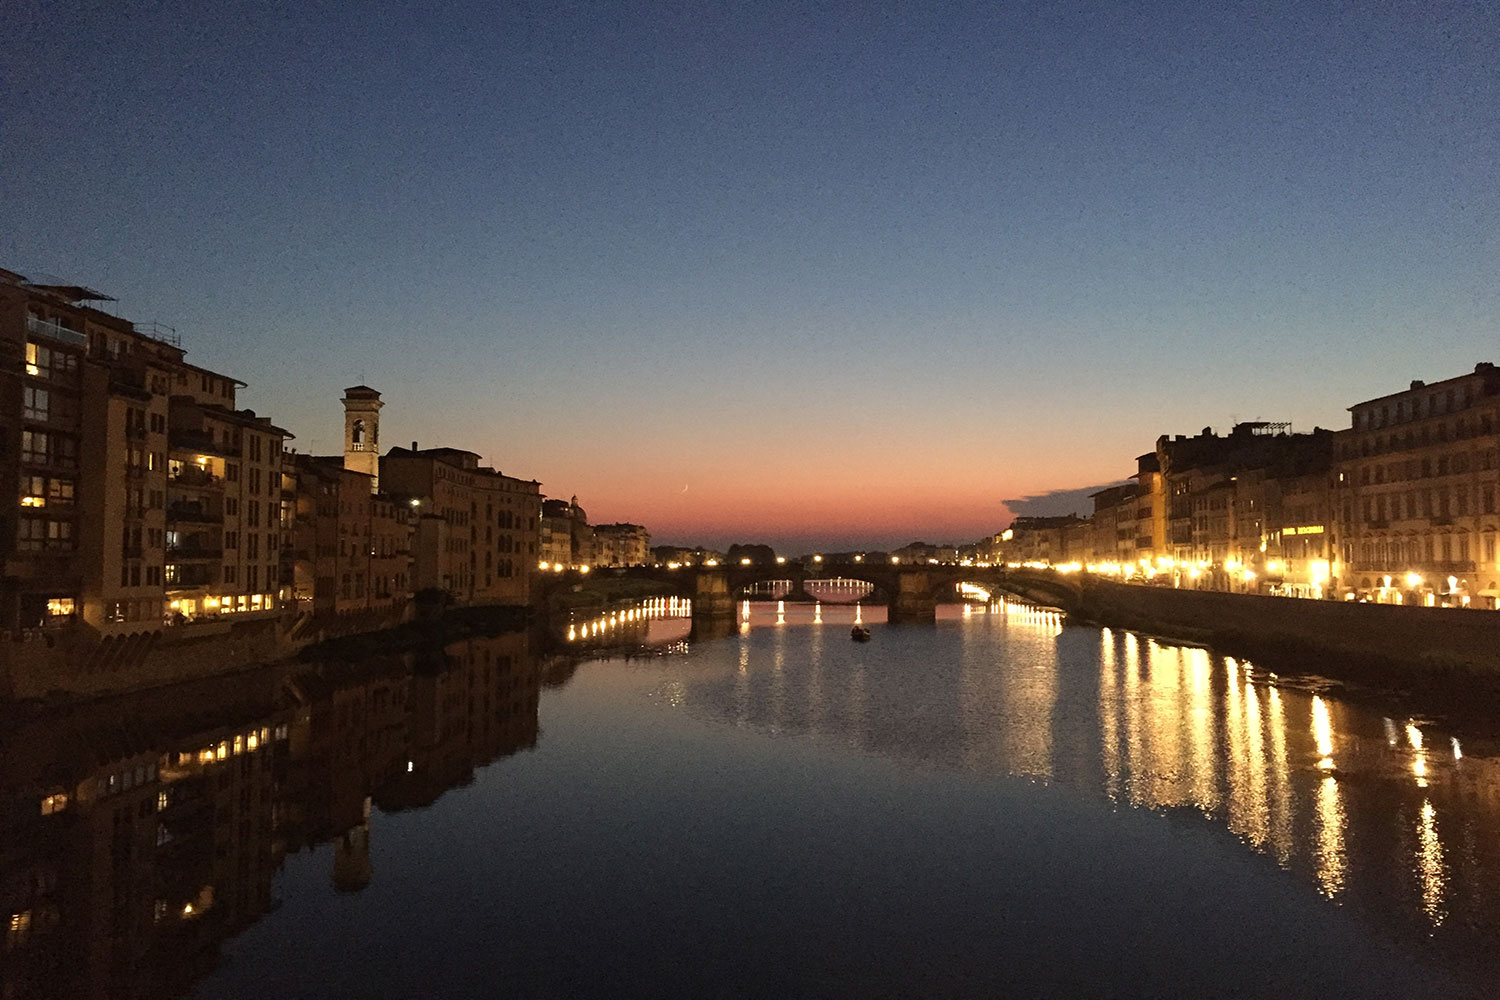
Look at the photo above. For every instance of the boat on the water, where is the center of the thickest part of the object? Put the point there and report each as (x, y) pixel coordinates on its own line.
(859, 633)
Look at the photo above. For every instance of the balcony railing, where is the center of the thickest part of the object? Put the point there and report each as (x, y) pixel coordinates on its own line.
(55, 331)
(201, 441)
(185, 552)
(193, 476)
(193, 513)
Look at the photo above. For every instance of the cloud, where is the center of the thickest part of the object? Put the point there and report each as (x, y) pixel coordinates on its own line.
(1059, 502)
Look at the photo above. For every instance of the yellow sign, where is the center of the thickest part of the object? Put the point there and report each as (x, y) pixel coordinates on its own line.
(1306, 529)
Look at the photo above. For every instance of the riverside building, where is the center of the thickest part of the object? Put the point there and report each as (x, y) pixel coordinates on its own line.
(1417, 478)
(141, 496)
(475, 532)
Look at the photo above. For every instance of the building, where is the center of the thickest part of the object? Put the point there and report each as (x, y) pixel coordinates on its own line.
(923, 553)
(621, 545)
(476, 530)
(667, 555)
(223, 521)
(567, 541)
(1053, 541)
(143, 496)
(1417, 483)
(1219, 492)
(1113, 526)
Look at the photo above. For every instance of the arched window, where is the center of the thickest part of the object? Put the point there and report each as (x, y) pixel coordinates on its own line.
(357, 437)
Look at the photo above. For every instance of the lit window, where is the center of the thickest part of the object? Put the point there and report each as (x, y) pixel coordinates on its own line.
(54, 804)
(59, 606)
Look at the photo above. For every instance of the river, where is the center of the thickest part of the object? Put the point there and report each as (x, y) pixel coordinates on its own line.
(996, 805)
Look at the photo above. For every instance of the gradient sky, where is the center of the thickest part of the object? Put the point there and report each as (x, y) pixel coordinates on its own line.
(817, 274)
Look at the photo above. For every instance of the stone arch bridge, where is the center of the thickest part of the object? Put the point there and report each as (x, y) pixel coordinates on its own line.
(911, 592)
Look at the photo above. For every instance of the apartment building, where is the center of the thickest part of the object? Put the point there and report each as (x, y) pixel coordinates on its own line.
(138, 485)
(476, 533)
(566, 539)
(1418, 473)
(621, 545)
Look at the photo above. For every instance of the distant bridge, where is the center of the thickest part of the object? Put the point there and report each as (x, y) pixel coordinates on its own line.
(910, 591)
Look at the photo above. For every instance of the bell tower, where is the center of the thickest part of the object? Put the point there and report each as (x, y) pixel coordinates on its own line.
(362, 432)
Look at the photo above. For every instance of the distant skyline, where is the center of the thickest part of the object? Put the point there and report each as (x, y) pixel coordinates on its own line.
(815, 274)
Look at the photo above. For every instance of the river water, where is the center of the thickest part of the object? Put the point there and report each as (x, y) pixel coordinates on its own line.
(995, 805)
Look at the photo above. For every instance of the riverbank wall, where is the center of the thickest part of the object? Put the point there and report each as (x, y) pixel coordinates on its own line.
(1377, 643)
(78, 662)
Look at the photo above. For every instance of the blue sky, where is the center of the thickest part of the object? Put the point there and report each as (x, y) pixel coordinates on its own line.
(806, 273)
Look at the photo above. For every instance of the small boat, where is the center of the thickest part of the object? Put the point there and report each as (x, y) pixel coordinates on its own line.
(859, 633)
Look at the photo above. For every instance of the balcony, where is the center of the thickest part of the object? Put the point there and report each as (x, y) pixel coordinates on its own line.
(200, 441)
(193, 513)
(193, 476)
(188, 577)
(194, 551)
(38, 327)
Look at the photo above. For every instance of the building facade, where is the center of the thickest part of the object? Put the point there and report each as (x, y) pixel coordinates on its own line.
(143, 497)
(476, 532)
(621, 545)
(1418, 474)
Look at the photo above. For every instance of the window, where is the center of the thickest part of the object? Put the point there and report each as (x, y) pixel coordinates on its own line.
(31, 534)
(34, 447)
(34, 403)
(64, 451)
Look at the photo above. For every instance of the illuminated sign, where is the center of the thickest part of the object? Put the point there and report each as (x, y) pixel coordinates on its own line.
(1306, 529)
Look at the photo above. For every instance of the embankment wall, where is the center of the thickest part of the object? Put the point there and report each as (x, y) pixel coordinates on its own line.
(1377, 639)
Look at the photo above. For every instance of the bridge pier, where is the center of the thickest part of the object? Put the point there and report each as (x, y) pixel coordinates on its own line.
(711, 595)
(913, 602)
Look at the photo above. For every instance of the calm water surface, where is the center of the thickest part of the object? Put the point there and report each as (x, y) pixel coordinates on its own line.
(997, 805)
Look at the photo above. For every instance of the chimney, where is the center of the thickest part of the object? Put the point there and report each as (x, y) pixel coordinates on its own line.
(414, 446)
(1417, 383)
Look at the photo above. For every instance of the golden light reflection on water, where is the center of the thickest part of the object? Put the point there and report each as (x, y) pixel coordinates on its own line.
(1430, 869)
(1177, 732)
(1322, 730)
(1312, 780)
(1281, 781)
(1109, 716)
(1329, 859)
(1202, 760)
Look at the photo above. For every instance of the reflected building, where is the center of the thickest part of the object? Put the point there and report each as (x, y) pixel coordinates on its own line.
(137, 834)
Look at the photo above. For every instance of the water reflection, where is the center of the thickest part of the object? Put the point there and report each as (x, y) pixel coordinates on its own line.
(140, 832)
(1318, 785)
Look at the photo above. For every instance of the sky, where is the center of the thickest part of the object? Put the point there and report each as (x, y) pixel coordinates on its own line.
(822, 275)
